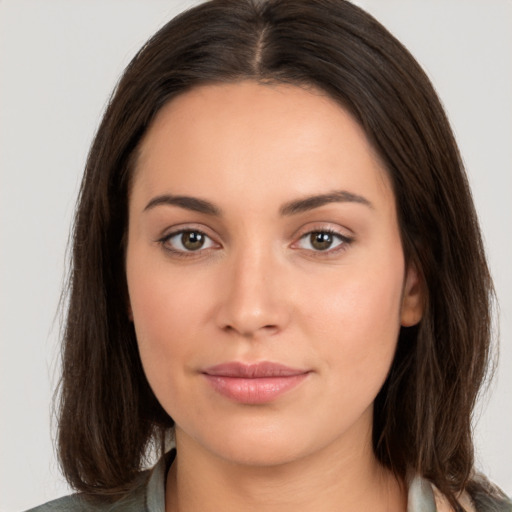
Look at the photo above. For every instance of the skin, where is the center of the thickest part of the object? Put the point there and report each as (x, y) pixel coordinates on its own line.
(259, 290)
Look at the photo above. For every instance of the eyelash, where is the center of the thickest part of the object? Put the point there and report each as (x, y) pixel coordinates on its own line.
(344, 242)
(184, 253)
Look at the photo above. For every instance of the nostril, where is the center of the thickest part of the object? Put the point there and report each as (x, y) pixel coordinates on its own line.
(251, 311)
(252, 333)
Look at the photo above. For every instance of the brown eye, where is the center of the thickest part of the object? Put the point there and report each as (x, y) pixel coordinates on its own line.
(321, 240)
(192, 240)
(187, 241)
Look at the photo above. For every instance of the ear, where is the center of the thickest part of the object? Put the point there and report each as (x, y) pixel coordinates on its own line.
(413, 298)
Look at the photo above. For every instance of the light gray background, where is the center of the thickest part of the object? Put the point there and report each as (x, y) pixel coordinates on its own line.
(59, 60)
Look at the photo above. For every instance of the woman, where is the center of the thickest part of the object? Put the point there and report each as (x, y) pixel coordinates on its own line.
(276, 259)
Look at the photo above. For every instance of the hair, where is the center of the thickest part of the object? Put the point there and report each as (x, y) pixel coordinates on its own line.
(109, 417)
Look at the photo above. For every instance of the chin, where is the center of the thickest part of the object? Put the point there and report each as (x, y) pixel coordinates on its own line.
(263, 445)
(262, 453)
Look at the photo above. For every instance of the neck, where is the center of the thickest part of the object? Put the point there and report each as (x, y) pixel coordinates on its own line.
(351, 480)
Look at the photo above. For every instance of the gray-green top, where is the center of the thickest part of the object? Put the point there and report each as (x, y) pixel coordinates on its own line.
(149, 496)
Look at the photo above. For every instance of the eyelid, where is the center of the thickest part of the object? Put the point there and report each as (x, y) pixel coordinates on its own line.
(186, 228)
(307, 230)
(321, 226)
(340, 233)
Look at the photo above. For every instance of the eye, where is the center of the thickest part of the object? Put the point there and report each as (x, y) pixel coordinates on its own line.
(187, 241)
(322, 241)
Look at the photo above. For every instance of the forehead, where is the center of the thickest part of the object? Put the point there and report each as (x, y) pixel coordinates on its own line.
(251, 139)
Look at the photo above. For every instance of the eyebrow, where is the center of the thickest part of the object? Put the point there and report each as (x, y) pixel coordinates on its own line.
(189, 203)
(291, 208)
(311, 202)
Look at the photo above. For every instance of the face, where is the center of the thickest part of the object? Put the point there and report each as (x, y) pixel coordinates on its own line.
(265, 271)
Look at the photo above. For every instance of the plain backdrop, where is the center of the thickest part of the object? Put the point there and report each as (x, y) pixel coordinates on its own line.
(59, 60)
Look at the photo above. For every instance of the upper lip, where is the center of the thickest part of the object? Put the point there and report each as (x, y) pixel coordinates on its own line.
(252, 371)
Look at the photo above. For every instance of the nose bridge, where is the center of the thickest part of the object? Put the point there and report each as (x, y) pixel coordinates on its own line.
(252, 299)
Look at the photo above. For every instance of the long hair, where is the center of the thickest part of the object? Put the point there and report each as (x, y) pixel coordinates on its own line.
(109, 416)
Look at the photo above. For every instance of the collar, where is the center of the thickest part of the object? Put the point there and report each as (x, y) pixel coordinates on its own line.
(421, 497)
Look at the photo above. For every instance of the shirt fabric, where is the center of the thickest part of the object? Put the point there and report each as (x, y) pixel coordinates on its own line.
(149, 496)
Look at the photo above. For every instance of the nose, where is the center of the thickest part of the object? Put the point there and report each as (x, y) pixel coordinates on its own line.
(254, 302)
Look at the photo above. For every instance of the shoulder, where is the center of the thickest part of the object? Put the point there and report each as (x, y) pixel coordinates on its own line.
(72, 503)
(479, 501)
(147, 495)
(480, 497)
(494, 501)
(134, 501)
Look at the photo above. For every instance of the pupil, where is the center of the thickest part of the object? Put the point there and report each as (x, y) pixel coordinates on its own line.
(321, 241)
(192, 240)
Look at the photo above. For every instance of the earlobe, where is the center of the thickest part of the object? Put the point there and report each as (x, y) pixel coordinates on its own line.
(413, 298)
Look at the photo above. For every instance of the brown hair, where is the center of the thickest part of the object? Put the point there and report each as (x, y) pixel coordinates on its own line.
(422, 422)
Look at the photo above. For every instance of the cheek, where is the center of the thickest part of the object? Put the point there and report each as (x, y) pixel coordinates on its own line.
(357, 300)
(160, 310)
(165, 300)
(355, 320)
(162, 316)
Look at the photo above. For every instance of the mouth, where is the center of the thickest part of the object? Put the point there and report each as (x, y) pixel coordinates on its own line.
(254, 383)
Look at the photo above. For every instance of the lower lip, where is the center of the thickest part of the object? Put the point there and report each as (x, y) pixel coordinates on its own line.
(256, 390)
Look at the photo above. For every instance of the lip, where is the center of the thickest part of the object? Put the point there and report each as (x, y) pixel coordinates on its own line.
(253, 383)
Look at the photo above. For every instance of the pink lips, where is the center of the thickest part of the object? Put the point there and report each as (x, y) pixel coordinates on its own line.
(253, 383)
